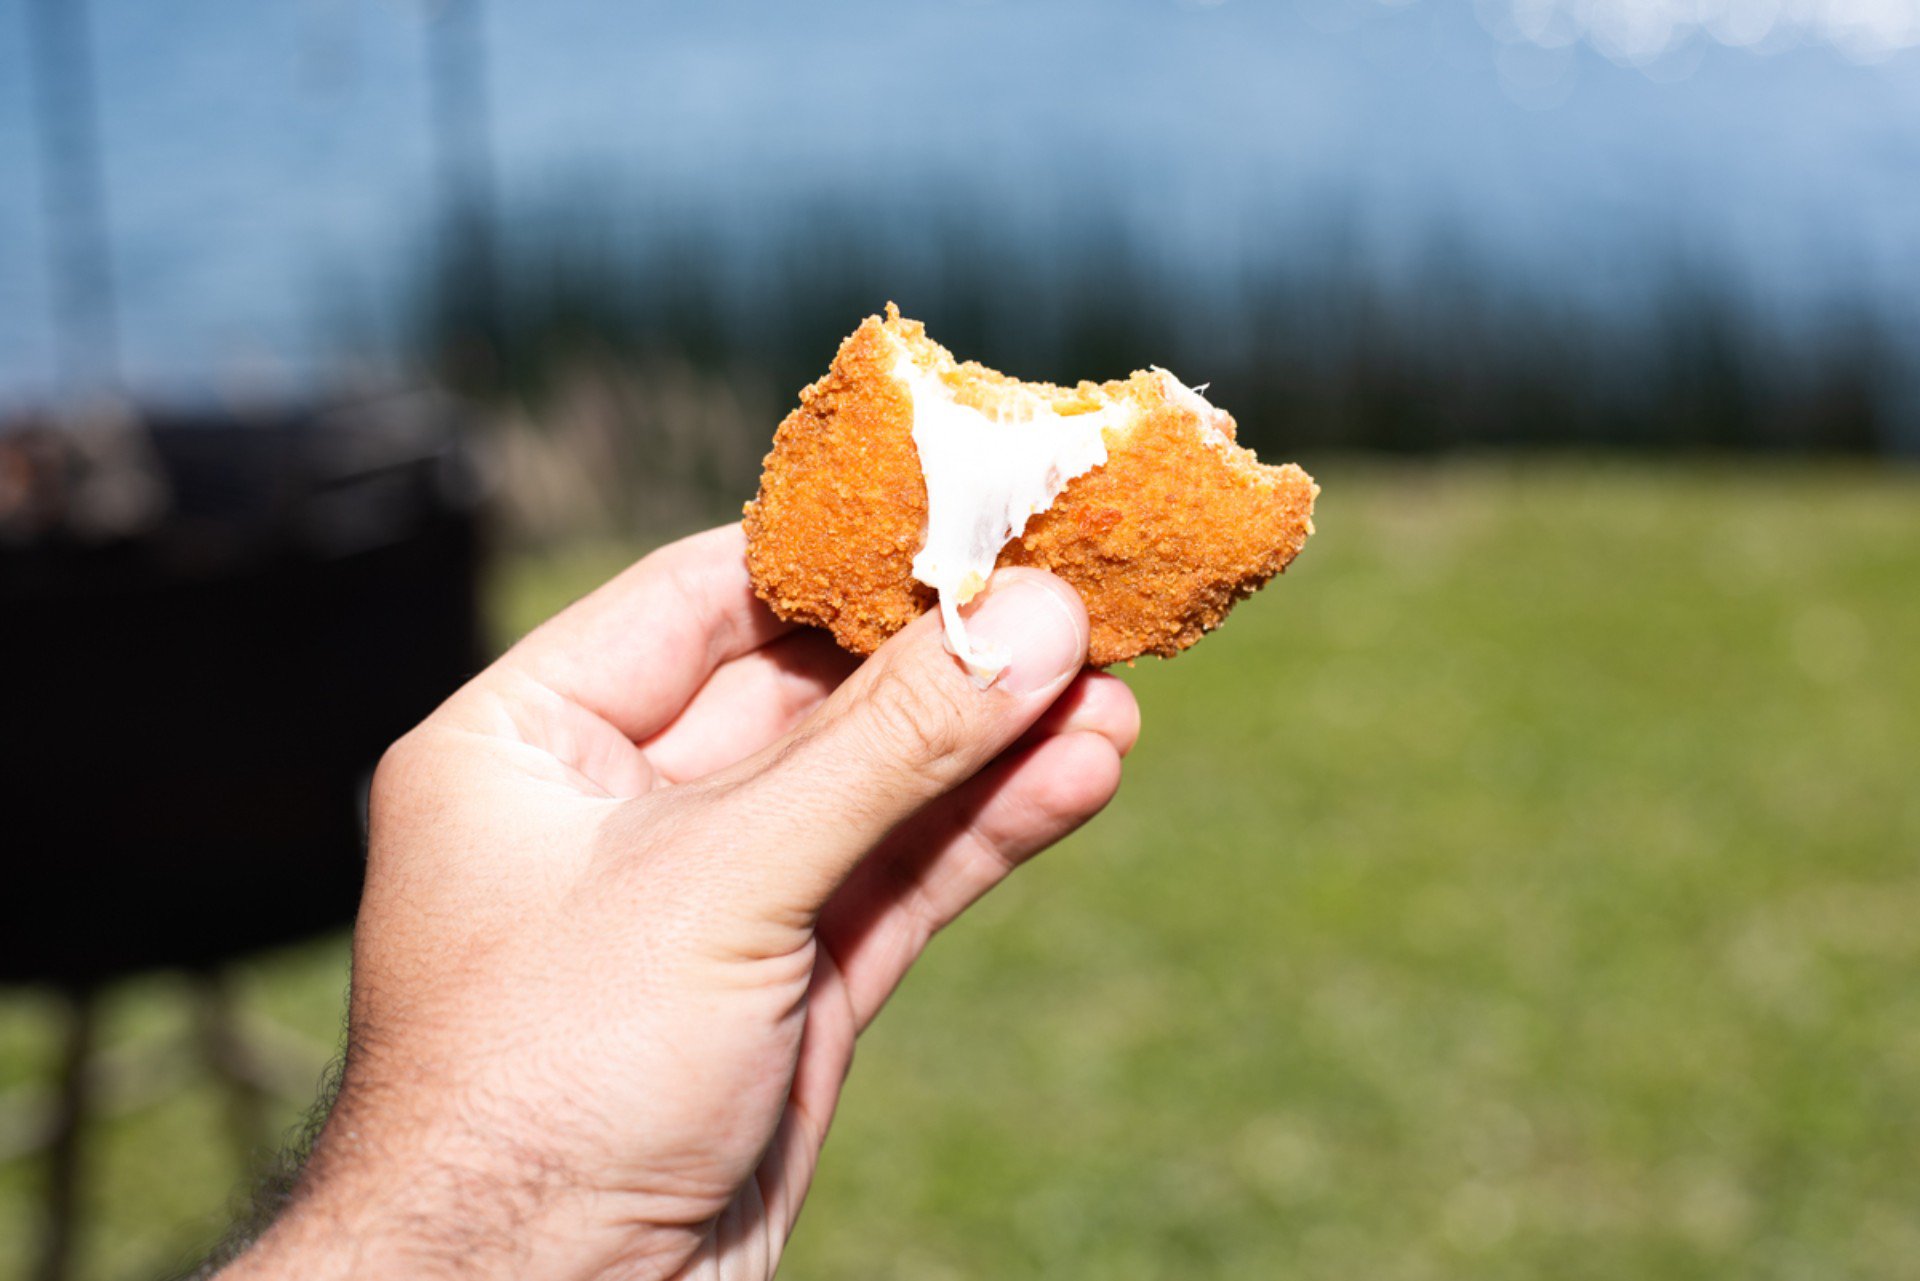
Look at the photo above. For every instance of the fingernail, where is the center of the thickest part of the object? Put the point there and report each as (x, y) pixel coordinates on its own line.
(1029, 622)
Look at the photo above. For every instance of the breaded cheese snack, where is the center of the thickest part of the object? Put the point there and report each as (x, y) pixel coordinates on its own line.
(904, 478)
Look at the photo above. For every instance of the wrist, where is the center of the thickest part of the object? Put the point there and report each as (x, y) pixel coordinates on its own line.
(400, 1220)
(372, 1205)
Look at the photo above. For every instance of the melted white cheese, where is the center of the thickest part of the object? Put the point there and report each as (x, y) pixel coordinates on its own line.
(986, 476)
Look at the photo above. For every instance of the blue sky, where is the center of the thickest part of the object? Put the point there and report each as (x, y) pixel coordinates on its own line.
(265, 162)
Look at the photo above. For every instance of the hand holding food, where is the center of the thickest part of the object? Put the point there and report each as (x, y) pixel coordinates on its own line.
(633, 891)
(631, 894)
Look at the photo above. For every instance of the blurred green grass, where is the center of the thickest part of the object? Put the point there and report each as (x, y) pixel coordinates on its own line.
(1526, 886)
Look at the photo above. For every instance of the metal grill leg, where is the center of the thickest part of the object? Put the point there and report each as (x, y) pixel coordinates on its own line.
(233, 1064)
(62, 1194)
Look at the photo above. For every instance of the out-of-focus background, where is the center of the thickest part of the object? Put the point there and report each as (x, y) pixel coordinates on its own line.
(1525, 885)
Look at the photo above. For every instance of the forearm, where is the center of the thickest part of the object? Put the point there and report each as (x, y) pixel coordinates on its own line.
(381, 1197)
(372, 1231)
(320, 1213)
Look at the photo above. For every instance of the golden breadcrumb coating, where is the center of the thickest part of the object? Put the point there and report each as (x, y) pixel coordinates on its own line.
(1176, 527)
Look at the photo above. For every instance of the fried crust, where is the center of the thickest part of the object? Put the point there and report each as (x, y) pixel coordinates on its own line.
(1161, 541)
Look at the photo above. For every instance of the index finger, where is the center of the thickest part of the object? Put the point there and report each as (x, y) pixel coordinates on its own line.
(637, 649)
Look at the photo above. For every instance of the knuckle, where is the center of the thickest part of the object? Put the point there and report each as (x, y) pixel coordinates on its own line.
(398, 773)
(917, 722)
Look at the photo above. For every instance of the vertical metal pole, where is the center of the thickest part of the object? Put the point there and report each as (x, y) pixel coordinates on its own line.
(62, 1195)
(462, 131)
(73, 189)
(232, 1063)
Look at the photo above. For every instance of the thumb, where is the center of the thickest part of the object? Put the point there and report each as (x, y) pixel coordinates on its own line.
(909, 726)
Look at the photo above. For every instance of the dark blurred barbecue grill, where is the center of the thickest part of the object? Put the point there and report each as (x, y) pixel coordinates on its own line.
(210, 625)
(209, 631)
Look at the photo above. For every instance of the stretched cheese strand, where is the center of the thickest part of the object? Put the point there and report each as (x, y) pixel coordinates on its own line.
(986, 476)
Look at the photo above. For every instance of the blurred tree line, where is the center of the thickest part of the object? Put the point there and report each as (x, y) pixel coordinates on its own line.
(1309, 354)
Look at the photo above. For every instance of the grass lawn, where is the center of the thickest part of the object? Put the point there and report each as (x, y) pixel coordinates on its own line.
(1527, 886)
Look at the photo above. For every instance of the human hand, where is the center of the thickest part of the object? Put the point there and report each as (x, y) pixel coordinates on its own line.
(631, 895)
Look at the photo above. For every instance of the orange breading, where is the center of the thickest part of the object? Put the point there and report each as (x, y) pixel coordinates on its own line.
(1176, 527)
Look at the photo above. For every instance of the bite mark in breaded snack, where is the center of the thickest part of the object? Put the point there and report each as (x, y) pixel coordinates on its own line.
(1133, 491)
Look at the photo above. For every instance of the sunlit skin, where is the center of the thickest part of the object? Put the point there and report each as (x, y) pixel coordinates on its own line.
(632, 895)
